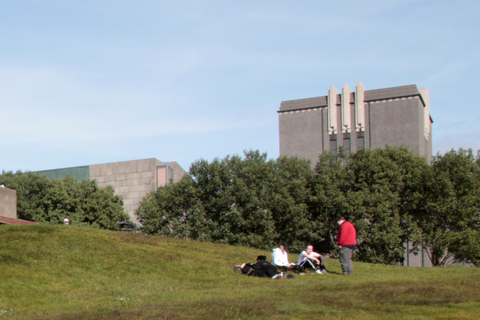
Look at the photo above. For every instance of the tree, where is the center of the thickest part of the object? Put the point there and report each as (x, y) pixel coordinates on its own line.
(376, 189)
(391, 195)
(288, 197)
(44, 200)
(246, 201)
(231, 195)
(452, 216)
(386, 190)
(174, 210)
(31, 190)
(327, 198)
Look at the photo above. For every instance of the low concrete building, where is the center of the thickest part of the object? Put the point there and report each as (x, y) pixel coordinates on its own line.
(8, 202)
(8, 207)
(133, 180)
(420, 257)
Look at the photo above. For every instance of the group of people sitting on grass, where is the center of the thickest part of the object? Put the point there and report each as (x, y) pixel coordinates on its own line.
(280, 265)
(347, 243)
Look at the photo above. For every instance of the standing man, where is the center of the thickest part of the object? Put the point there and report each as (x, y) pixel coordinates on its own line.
(280, 260)
(347, 241)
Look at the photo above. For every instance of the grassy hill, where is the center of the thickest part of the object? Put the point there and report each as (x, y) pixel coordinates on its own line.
(62, 272)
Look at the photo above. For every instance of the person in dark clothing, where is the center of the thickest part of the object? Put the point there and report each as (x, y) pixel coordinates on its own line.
(262, 268)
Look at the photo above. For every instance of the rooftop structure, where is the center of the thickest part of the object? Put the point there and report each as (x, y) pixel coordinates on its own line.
(398, 116)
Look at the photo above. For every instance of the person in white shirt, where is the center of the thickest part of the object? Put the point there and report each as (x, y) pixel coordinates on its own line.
(310, 259)
(280, 260)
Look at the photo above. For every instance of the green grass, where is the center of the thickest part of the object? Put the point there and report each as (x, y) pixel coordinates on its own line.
(60, 272)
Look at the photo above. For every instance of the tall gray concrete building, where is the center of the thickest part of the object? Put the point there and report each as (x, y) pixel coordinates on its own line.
(398, 116)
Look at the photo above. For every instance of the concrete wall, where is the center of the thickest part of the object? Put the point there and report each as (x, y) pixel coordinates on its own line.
(8, 203)
(178, 172)
(301, 133)
(420, 258)
(133, 180)
(394, 123)
(399, 122)
(413, 258)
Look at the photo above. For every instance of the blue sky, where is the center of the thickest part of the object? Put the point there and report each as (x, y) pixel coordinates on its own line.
(87, 82)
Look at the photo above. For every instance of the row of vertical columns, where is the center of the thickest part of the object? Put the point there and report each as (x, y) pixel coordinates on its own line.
(346, 109)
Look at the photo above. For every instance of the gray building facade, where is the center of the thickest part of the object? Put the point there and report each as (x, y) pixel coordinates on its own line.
(8, 202)
(133, 180)
(398, 116)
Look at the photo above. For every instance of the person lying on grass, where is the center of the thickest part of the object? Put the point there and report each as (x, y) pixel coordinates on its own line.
(262, 268)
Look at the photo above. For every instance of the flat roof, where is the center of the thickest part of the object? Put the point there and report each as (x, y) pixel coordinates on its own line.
(370, 95)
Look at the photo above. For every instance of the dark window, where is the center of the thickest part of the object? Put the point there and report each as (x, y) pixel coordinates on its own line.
(333, 143)
(360, 141)
(347, 146)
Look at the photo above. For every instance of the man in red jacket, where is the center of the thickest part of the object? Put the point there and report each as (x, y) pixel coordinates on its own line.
(347, 241)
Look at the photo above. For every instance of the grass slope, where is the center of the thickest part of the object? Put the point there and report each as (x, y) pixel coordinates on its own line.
(60, 272)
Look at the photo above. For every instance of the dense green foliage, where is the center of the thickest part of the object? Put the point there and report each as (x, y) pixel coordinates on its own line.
(450, 222)
(248, 201)
(379, 191)
(391, 195)
(58, 272)
(44, 200)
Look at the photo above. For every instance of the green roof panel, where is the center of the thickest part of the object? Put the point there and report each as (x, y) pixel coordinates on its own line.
(77, 172)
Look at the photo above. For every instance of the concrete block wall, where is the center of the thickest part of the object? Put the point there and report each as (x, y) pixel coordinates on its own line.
(8, 203)
(399, 122)
(301, 133)
(178, 171)
(133, 180)
(415, 259)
